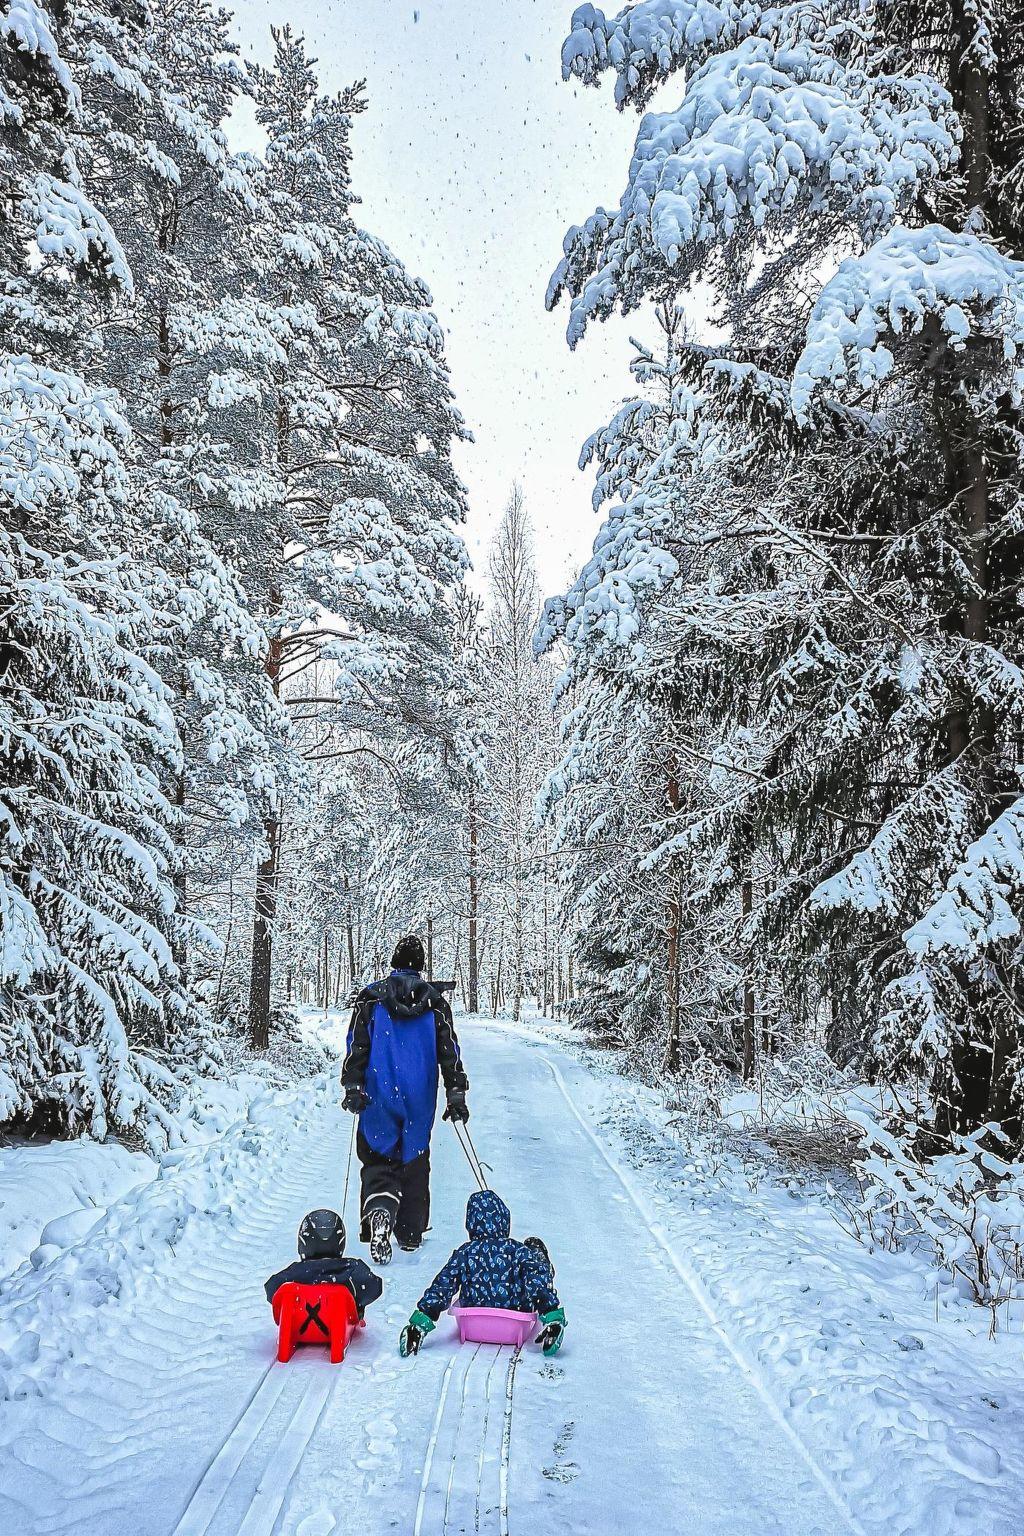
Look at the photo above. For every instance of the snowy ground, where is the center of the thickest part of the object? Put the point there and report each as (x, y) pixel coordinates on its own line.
(734, 1364)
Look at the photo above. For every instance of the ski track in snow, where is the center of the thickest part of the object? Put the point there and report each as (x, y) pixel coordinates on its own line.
(465, 1474)
(166, 1414)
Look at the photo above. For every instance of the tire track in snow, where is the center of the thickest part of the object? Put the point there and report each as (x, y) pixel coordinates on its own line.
(213, 1486)
(506, 1444)
(428, 1461)
(272, 1488)
(453, 1466)
(697, 1288)
(230, 1471)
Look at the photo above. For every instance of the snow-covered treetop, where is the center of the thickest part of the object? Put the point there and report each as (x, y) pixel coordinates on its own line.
(648, 41)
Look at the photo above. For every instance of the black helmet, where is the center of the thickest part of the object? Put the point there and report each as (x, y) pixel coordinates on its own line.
(321, 1236)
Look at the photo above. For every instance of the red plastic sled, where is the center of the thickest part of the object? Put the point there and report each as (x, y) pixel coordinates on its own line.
(315, 1314)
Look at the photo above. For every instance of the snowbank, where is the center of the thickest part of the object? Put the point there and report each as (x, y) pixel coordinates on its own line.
(53, 1193)
(72, 1290)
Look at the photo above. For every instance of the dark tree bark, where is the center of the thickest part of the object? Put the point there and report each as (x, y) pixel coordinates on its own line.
(474, 907)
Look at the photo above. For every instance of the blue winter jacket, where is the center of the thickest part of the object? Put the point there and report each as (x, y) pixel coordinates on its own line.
(401, 1035)
(492, 1269)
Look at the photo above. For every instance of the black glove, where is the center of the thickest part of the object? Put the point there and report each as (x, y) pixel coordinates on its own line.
(457, 1109)
(355, 1100)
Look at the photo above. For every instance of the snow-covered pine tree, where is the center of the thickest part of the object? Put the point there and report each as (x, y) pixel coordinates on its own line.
(188, 358)
(645, 917)
(846, 175)
(90, 1006)
(364, 546)
(513, 611)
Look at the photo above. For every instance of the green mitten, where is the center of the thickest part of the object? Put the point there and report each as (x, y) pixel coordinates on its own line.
(413, 1334)
(550, 1337)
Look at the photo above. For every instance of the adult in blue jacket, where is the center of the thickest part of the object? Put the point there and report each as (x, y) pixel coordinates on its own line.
(400, 1039)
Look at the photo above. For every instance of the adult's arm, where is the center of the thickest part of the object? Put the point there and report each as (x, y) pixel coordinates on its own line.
(357, 1052)
(449, 1056)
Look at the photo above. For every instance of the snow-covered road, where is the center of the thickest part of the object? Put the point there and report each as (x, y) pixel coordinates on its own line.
(154, 1405)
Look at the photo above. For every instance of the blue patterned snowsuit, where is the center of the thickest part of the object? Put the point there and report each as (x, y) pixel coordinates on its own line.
(492, 1269)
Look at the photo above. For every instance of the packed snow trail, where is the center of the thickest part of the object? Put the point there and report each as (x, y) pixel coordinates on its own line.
(167, 1416)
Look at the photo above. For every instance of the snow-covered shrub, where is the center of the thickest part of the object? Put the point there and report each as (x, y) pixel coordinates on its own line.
(700, 1092)
(965, 1205)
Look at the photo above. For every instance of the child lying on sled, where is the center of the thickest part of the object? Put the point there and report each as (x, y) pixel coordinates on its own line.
(321, 1261)
(491, 1270)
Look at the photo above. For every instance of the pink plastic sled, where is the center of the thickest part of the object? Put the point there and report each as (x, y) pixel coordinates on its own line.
(493, 1325)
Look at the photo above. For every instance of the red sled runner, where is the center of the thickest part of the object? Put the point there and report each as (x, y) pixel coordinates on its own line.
(315, 1314)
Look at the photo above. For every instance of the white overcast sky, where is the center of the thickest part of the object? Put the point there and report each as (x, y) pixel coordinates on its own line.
(471, 162)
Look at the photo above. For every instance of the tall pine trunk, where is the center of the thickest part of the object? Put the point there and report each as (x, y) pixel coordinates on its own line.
(265, 905)
(474, 907)
(975, 1079)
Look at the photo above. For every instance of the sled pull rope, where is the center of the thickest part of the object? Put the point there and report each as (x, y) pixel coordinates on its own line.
(472, 1156)
(348, 1166)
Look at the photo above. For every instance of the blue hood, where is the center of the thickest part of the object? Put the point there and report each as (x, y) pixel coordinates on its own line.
(487, 1215)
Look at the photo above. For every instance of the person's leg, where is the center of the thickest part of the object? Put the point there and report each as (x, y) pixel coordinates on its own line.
(414, 1210)
(381, 1185)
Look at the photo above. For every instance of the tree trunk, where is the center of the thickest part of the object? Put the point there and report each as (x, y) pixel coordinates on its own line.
(749, 1011)
(474, 907)
(265, 911)
(263, 941)
(670, 1063)
(227, 945)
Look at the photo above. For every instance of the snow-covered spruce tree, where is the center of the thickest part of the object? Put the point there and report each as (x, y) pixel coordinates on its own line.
(365, 530)
(652, 958)
(867, 596)
(90, 1007)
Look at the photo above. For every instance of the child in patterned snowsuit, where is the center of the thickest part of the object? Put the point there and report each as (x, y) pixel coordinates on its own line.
(491, 1270)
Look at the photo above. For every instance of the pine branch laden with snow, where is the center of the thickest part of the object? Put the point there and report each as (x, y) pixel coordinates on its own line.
(651, 40)
(89, 983)
(766, 132)
(909, 277)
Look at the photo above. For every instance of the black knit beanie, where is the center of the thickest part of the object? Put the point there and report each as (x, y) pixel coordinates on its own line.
(408, 955)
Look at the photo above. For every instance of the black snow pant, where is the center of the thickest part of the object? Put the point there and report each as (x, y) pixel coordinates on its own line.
(401, 1189)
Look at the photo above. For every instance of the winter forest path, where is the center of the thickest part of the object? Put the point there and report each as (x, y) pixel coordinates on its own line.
(171, 1419)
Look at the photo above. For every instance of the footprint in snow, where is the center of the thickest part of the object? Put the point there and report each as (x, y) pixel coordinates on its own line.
(562, 1470)
(320, 1523)
(382, 1459)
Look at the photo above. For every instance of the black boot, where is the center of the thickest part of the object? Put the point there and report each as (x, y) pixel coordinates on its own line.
(380, 1237)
